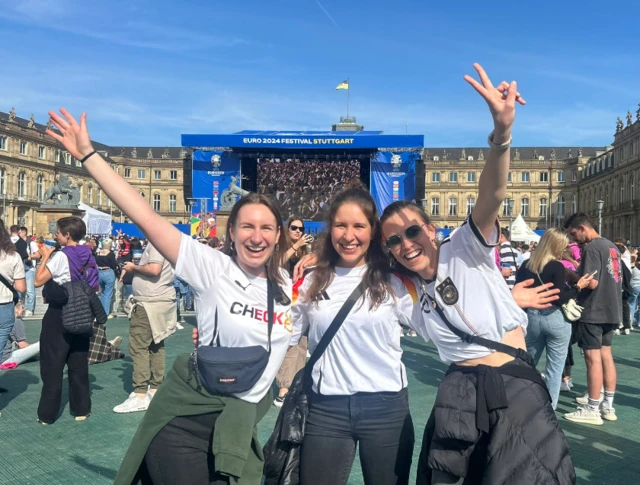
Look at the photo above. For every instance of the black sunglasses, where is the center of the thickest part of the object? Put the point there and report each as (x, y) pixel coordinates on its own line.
(411, 234)
(293, 227)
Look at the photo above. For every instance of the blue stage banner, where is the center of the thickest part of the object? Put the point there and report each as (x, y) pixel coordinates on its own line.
(216, 176)
(393, 177)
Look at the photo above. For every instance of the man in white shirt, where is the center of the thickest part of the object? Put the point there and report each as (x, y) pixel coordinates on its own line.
(508, 258)
(30, 272)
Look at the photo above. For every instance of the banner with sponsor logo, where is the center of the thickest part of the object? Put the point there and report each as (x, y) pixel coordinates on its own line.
(393, 177)
(216, 177)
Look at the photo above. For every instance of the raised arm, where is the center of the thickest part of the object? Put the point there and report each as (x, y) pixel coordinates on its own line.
(493, 180)
(75, 138)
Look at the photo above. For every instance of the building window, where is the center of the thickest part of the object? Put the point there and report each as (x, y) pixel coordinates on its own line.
(3, 143)
(505, 207)
(435, 177)
(574, 176)
(560, 207)
(3, 178)
(173, 175)
(471, 203)
(23, 148)
(544, 176)
(172, 203)
(525, 177)
(574, 204)
(58, 156)
(561, 177)
(453, 206)
(156, 202)
(509, 177)
(543, 207)
(127, 173)
(187, 208)
(435, 206)
(99, 201)
(67, 158)
(142, 173)
(40, 187)
(89, 194)
(78, 163)
(471, 177)
(453, 177)
(22, 184)
(157, 175)
(524, 204)
(41, 153)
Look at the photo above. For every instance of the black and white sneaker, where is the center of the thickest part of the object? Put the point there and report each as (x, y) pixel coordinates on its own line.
(279, 401)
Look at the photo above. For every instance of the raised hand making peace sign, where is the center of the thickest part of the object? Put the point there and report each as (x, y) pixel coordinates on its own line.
(501, 100)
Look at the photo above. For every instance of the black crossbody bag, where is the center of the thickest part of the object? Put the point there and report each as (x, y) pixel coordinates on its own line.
(225, 371)
(14, 292)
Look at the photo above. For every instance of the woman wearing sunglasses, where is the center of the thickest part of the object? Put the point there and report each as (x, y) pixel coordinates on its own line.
(492, 421)
(296, 242)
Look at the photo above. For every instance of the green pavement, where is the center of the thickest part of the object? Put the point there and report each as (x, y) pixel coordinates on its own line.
(90, 452)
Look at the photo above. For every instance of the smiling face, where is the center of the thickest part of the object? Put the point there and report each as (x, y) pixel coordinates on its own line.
(419, 254)
(254, 234)
(350, 235)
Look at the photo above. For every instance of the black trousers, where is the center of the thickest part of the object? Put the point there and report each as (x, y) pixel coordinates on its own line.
(58, 349)
(626, 312)
(180, 454)
(379, 423)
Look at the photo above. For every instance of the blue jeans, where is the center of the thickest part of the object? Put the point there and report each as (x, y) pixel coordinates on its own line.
(633, 303)
(549, 330)
(7, 319)
(30, 276)
(107, 282)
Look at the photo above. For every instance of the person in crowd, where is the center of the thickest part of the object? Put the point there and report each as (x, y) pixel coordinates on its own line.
(525, 254)
(124, 248)
(152, 319)
(625, 326)
(635, 289)
(18, 350)
(185, 418)
(297, 241)
(126, 278)
(30, 270)
(107, 267)
(182, 289)
(492, 388)
(12, 282)
(508, 258)
(571, 278)
(359, 389)
(548, 330)
(601, 315)
(58, 348)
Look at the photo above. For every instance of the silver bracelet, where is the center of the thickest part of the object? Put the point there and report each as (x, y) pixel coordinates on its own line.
(494, 146)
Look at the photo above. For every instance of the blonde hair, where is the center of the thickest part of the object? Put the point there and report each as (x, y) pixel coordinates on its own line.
(106, 244)
(550, 248)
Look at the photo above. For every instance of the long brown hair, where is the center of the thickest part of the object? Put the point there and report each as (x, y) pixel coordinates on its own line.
(273, 265)
(300, 252)
(6, 246)
(393, 209)
(376, 282)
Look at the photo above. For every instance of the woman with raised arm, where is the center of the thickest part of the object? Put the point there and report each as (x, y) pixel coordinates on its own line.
(492, 422)
(243, 308)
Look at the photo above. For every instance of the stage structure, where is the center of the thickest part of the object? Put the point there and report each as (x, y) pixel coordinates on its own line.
(299, 170)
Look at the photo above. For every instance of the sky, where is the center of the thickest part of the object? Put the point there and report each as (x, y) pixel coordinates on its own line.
(147, 71)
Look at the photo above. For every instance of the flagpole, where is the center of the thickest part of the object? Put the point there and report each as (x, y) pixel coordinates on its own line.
(348, 94)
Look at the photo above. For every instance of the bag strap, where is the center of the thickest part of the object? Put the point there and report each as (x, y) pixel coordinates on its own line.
(337, 322)
(14, 292)
(474, 339)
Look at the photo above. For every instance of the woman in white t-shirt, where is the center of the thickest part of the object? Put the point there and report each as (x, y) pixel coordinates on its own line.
(359, 395)
(492, 421)
(12, 270)
(173, 444)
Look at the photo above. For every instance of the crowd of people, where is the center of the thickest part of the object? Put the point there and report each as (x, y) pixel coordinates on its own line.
(304, 188)
(267, 295)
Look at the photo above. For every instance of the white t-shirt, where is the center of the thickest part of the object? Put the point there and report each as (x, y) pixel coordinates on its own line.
(58, 266)
(238, 302)
(12, 268)
(484, 305)
(365, 354)
(33, 248)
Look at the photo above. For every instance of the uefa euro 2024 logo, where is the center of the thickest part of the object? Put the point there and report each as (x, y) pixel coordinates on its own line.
(396, 161)
(216, 161)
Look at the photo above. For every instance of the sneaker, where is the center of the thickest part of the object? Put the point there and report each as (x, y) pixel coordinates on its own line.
(608, 414)
(133, 404)
(178, 326)
(412, 333)
(627, 331)
(111, 316)
(565, 386)
(82, 418)
(583, 399)
(279, 401)
(115, 343)
(43, 423)
(583, 415)
(616, 331)
(28, 313)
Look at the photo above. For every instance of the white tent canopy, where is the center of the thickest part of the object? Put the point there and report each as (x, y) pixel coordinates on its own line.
(97, 222)
(520, 231)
